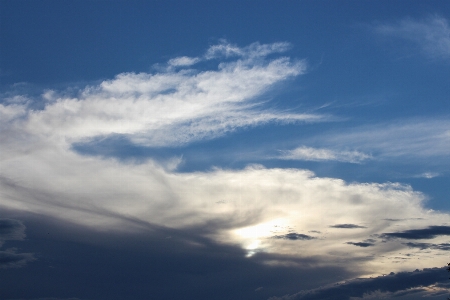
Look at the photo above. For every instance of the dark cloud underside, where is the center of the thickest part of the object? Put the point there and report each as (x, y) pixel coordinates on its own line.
(347, 226)
(400, 284)
(416, 234)
(294, 236)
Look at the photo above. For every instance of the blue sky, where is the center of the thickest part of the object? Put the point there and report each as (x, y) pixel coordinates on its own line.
(226, 150)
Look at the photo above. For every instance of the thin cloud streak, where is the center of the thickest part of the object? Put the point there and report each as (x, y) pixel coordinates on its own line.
(416, 138)
(321, 154)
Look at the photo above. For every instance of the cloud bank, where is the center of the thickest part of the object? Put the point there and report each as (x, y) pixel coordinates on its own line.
(248, 207)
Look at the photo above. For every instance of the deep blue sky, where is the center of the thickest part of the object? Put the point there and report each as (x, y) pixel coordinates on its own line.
(203, 133)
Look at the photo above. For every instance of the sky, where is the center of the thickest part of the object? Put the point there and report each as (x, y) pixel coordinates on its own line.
(224, 149)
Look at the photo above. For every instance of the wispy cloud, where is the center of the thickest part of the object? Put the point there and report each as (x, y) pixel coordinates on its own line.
(405, 138)
(427, 175)
(321, 154)
(171, 107)
(432, 34)
(183, 61)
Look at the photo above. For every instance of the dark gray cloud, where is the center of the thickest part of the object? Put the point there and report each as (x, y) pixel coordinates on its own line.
(294, 236)
(423, 246)
(347, 226)
(11, 229)
(76, 261)
(361, 244)
(396, 285)
(10, 259)
(417, 234)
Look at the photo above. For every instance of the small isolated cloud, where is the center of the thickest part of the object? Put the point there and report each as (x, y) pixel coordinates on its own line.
(362, 244)
(432, 35)
(11, 259)
(321, 154)
(183, 61)
(294, 236)
(427, 175)
(416, 234)
(347, 226)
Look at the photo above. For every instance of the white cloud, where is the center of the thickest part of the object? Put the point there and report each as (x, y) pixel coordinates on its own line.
(224, 49)
(427, 175)
(321, 154)
(183, 61)
(169, 108)
(431, 34)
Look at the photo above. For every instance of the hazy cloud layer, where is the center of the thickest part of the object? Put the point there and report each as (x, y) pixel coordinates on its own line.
(407, 139)
(432, 34)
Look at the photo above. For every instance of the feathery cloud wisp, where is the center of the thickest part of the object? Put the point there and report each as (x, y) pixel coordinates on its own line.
(432, 34)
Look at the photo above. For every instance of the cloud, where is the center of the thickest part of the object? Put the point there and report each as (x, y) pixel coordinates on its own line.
(10, 259)
(294, 236)
(11, 230)
(168, 108)
(427, 175)
(224, 49)
(432, 34)
(246, 207)
(394, 285)
(347, 226)
(361, 244)
(416, 234)
(320, 154)
(414, 138)
(423, 246)
(183, 61)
